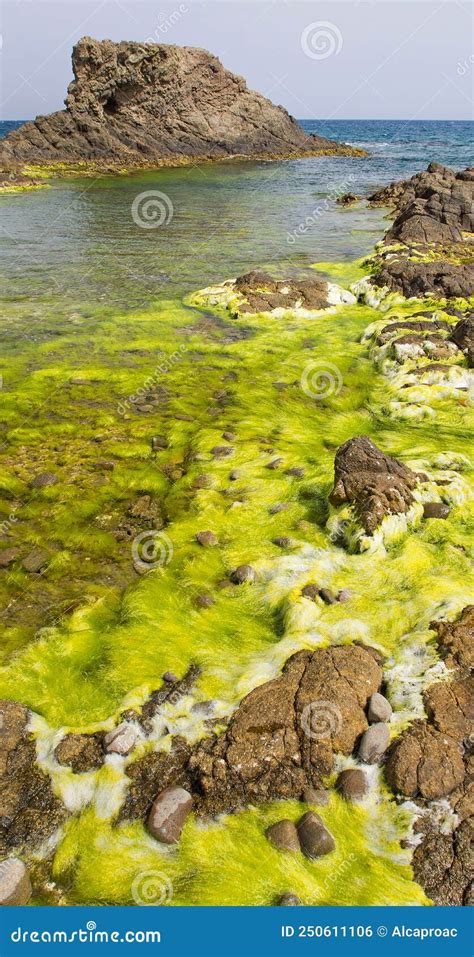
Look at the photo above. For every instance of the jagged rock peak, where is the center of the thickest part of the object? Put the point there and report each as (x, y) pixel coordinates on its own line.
(145, 103)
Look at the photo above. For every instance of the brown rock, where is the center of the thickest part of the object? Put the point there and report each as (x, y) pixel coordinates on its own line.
(284, 836)
(159, 443)
(136, 103)
(352, 784)
(424, 762)
(315, 839)
(207, 539)
(310, 591)
(288, 900)
(456, 639)
(328, 596)
(242, 574)
(435, 510)
(317, 796)
(35, 561)
(81, 752)
(169, 813)
(44, 480)
(375, 483)
(8, 556)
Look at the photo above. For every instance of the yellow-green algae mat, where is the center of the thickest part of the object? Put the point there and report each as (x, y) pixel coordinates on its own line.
(79, 672)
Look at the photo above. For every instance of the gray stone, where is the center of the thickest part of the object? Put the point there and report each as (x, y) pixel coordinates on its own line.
(374, 743)
(121, 740)
(284, 836)
(171, 677)
(314, 837)
(15, 885)
(169, 813)
(379, 708)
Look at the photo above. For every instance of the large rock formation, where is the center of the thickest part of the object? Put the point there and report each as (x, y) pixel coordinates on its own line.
(141, 104)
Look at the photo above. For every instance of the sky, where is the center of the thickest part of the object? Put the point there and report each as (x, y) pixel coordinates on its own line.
(374, 59)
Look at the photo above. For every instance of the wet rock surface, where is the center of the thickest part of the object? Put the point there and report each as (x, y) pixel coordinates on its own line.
(138, 102)
(432, 761)
(282, 737)
(29, 811)
(375, 483)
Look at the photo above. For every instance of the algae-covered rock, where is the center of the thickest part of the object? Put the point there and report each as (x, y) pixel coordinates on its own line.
(374, 483)
(257, 292)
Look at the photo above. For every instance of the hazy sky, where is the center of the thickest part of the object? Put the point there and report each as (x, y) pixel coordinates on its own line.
(410, 59)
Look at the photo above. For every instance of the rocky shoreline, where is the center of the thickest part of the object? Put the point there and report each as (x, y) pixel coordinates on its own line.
(326, 725)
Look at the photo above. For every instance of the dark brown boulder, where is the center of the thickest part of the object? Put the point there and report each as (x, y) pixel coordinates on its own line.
(145, 103)
(375, 483)
(284, 836)
(456, 639)
(439, 279)
(29, 811)
(315, 839)
(463, 336)
(263, 293)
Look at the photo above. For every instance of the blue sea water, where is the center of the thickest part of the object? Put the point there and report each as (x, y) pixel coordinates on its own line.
(77, 242)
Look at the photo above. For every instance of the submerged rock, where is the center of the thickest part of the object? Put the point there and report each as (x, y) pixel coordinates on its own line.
(15, 884)
(375, 483)
(169, 813)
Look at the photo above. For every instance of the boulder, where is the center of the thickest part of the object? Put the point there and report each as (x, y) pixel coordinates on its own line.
(207, 539)
(15, 884)
(43, 480)
(35, 561)
(435, 510)
(424, 763)
(283, 736)
(463, 336)
(375, 483)
(314, 837)
(242, 574)
(456, 639)
(415, 279)
(8, 556)
(169, 813)
(284, 836)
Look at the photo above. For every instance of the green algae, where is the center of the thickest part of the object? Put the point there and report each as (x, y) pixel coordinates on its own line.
(110, 634)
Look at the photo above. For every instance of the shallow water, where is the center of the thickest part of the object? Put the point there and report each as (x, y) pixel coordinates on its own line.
(94, 310)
